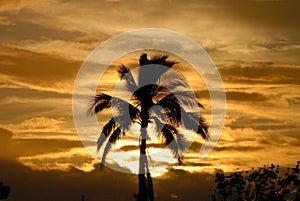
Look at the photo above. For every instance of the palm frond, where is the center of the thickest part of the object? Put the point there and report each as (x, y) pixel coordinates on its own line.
(182, 143)
(106, 131)
(172, 108)
(172, 79)
(150, 74)
(187, 98)
(158, 59)
(157, 112)
(172, 104)
(143, 60)
(175, 141)
(168, 133)
(124, 122)
(173, 138)
(100, 101)
(127, 113)
(116, 135)
(126, 75)
(123, 70)
(162, 60)
(158, 124)
(193, 121)
(104, 101)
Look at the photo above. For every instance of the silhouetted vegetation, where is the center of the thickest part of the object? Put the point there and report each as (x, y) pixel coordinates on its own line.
(4, 191)
(151, 102)
(269, 183)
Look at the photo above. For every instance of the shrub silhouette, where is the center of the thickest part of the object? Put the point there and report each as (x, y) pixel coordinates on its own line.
(4, 191)
(269, 183)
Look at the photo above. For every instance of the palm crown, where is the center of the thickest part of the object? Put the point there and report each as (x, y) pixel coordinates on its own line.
(168, 90)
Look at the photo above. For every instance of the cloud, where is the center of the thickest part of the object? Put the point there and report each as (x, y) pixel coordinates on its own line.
(56, 185)
(38, 123)
(237, 148)
(224, 33)
(64, 169)
(12, 146)
(280, 140)
(260, 123)
(63, 160)
(4, 21)
(244, 96)
(35, 124)
(278, 14)
(6, 144)
(39, 71)
(17, 109)
(97, 185)
(260, 73)
(13, 93)
(32, 147)
(18, 5)
(236, 96)
(19, 30)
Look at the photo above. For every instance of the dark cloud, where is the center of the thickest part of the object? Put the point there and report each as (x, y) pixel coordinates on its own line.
(6, 144)
(98, 185)
(237, 148)
(38, 68)
(196, 164)
(16, 147)
(26, 30)
(16, 112)
(29, 147)
(279, 14)
(260, 73)
(282, 14)
(235, 96)
(21, 100)
(278, 139)
(27, 184)
(27, 93)
(244, 96)
(260, 123)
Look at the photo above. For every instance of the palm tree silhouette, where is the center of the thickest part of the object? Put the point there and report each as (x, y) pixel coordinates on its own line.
(170, 92)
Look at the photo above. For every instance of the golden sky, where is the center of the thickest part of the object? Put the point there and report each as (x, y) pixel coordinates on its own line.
(255, 45)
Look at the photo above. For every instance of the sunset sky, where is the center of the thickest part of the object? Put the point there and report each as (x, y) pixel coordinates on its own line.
(255, 45)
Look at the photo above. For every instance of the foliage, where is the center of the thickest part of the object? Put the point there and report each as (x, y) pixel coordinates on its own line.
(4, 191)
(269, 183)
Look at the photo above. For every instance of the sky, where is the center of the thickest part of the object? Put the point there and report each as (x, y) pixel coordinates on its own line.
(255, 45)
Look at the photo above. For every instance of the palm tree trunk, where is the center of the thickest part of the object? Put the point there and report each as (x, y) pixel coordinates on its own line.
(150, 187)
(145, 183)
(142, 168)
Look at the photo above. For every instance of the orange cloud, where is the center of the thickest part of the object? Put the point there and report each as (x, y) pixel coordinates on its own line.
(4, 21)
(17, 5)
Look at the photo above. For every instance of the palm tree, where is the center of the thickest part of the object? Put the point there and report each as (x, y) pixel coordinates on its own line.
(167, 89)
